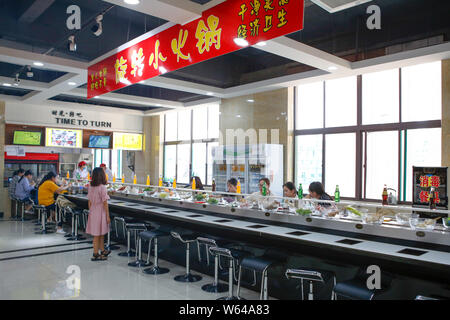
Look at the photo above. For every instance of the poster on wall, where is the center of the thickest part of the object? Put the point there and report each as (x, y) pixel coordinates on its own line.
(127, 141)
(425, 178)
(66, 138)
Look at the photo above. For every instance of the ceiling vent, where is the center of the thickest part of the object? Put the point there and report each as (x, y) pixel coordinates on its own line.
(333, 6)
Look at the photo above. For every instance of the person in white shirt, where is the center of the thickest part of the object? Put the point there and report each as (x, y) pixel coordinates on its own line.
(109, 174)
(81, 172)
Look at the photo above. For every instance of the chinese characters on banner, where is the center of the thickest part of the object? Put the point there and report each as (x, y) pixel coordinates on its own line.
(210, 36)
(428, 182)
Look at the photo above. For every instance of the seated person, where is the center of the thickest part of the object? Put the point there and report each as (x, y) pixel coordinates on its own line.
(231, 188)
(198, 183)
(289, 190)
(23, 190)
(46, 192)
(258, 196)
(316, 191)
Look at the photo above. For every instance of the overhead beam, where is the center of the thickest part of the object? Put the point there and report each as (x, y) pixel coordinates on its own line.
(35, 10)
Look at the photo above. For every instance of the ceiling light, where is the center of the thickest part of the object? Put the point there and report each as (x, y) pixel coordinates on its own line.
(332, 68)
(16, 80)
(38, 64)
(241, 42)
(7, 84)
(30, 73)
(72, 83)
(162, 70)
(72, 46)
(96, 97)
(131, 1)
(238, 116)
(97, 29)
(261, 43)
(209, 93)
(250, 100)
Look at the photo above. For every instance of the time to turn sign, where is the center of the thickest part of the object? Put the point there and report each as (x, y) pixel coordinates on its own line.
(225, 28)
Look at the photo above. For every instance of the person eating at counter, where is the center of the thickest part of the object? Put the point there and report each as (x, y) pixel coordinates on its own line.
(317, 191)
(23, 190)
(108, 173)
(231, 188)
(289, 190)
(46, 195)
(81, 172)
(258, 196)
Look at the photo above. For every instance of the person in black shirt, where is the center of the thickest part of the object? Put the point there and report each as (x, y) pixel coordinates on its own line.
(316, 191)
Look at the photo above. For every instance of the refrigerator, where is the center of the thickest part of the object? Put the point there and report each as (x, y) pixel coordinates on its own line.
(249, 163)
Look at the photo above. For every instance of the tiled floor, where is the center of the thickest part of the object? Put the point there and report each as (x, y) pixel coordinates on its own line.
(44, 273)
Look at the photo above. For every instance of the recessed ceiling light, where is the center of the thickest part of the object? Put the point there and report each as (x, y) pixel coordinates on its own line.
(7, 84)
(332, 68)
(209, 93)
(241, 42)
(96, 97)
(158, 105)
(71, 83)
(39, 64)
(131, 1)
(250, 100)
(261, 43)
(238, 116)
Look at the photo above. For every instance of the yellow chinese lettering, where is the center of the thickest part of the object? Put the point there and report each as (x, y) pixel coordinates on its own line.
(255, 6)
(178, 45)
(101, 74)
(268, 23)
(281, 18)
(96, 85)
(92, 86)
(268, 5)
(92, 77)
(104, 82)
(283, 2)
(254, 27)
(243, 10)
(137, 63)
(120, 69)
(104, 71)
(242, 31)
(208, 35)
(156, 56)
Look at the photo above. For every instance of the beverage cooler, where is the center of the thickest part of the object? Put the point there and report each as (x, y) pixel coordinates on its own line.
(39, 163)
(249, 163)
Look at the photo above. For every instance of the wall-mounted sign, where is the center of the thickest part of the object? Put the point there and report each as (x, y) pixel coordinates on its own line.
(424, 179)
(63, 138)
(225, 28)
(127, 141)
(75, 118)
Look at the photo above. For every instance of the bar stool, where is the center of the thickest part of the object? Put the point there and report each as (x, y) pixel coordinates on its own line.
(129, 252)
(109, 246)
(75, 221)
(419, 297)
(256, 264)
(38, 209)
(13, 205)
(312, 276)
(186, 239)
(357, 289)
(137, 228)
(150, 236)
(216, 286)
(43, 229)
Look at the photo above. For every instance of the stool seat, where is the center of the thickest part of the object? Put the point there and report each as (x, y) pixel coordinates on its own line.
(136, 226)
(258, 264)
(239, 254)
(38, 206)
(354, 289)
(310, 274)
(185, 238)
(150, 234)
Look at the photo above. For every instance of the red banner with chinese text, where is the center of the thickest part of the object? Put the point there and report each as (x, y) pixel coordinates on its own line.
(210, 36)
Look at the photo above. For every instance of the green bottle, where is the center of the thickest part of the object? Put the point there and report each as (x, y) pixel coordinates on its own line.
(337, 194)
(264, 190)
(300, 191)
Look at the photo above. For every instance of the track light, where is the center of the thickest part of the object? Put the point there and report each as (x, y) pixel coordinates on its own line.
(17, 80)
(97, 29)
(72, 46)
(30, 73)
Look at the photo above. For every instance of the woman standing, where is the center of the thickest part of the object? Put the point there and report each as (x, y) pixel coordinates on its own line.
(99, 220)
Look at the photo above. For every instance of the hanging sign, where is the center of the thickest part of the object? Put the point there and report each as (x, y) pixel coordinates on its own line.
(222, 29)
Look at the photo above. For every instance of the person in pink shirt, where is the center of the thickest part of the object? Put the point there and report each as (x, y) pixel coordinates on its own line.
(99, 220)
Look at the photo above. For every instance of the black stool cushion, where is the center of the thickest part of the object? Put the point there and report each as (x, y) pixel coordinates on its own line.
(256, 263)
(326, 274)
(239, 254)
(354, 289)
(191, 237)
(147, 235)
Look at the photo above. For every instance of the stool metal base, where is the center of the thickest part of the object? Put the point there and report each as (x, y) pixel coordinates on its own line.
(230, 298)
(45, 232)
(215, 288)
(130, 253)
(188, 278)
(155, 270)
(76, 238)
(139, 263)
(112, 247)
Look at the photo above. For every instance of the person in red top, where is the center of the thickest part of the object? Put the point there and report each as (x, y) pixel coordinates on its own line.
(108, 173)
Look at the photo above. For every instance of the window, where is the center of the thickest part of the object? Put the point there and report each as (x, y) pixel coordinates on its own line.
(340, 150)
(190, 135)
(116, 162)
(380, 97)
(399, 127)
(421, 92)
(340, 102)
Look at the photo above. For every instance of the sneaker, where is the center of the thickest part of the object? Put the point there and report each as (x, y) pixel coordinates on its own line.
(29, 211)
(60, 231)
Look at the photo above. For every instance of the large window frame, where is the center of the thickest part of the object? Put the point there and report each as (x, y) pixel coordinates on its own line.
(191, 141)
(361, 130)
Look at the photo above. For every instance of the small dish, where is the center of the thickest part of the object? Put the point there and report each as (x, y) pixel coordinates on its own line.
(422, 223)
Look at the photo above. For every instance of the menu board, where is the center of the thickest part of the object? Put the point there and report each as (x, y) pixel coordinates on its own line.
(127, 141)
(27, 138)
(66, 138)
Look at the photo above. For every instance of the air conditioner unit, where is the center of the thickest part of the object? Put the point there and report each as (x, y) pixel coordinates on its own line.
(333, 6)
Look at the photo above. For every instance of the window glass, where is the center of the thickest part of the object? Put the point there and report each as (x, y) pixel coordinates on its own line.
(183, 162)
(200, 122)
(340, 102)
(380, 97)
(184, 125)
(309, 113)
(340, 163)
(422, 92)
(170, 160)
(106, 158)
(423, 149)
(199, 161)
(382, 162)
(171, 126)
(211, 146)
(97, 158)
(213, 122)
(308, 157)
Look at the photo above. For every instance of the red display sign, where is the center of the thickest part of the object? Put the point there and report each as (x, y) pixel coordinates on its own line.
(221, 30)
